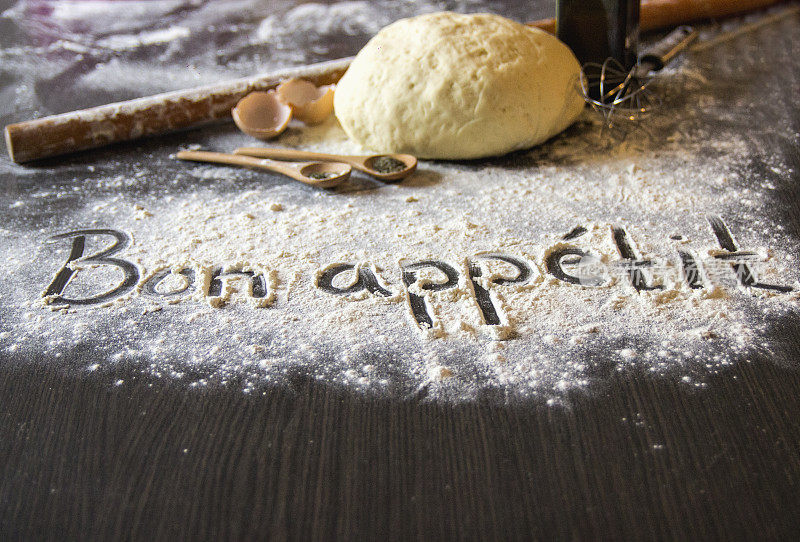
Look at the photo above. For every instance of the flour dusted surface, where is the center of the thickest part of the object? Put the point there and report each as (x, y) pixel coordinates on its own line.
(553, 336)
(187, 225)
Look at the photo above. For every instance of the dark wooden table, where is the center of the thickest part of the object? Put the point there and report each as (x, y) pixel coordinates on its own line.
(83, 460)
(638, 457)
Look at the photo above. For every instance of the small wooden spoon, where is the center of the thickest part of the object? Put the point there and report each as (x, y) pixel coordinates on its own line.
(321, 174)
(361, 163)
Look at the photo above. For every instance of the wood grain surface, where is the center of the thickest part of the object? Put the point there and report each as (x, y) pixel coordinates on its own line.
(637, 457)
(645, 459)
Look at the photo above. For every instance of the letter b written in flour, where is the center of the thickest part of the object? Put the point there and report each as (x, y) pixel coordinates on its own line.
(100, 270)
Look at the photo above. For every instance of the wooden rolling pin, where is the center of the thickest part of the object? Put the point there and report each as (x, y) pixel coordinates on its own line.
(655, 14)
(153, 115)
(172, 111)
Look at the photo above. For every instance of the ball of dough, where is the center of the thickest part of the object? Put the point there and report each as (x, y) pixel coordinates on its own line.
(453, 86)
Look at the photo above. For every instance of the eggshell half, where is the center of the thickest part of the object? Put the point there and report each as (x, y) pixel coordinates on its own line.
(262, 115)
(309, 103)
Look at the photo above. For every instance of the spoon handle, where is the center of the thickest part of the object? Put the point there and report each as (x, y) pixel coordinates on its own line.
(292, 171)
(222, 158)
(291, 154)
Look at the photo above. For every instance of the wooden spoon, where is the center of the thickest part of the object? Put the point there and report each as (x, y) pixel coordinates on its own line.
(367, 164)
(321, 174)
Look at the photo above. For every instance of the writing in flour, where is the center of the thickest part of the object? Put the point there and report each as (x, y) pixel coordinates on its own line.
(228, 263)
(564, 262)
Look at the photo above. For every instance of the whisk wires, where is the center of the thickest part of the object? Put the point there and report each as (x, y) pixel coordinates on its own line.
(616, 92)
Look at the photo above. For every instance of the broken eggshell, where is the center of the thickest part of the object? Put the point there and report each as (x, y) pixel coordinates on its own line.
(309, 103)
(262, 115)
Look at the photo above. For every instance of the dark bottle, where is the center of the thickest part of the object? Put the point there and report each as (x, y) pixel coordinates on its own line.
(599, 29)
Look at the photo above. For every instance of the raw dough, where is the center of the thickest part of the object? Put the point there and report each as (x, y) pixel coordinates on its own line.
(453, 86)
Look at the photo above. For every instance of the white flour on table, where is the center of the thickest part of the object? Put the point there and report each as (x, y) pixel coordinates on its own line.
(660, 189)
(554, 336)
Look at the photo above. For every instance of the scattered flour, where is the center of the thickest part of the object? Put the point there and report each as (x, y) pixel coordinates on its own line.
(152, 37)
(243, 278)
(340, 18)
(552, 336)
(349, 18)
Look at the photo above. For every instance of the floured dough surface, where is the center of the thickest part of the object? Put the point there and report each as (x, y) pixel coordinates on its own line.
(454, 86)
